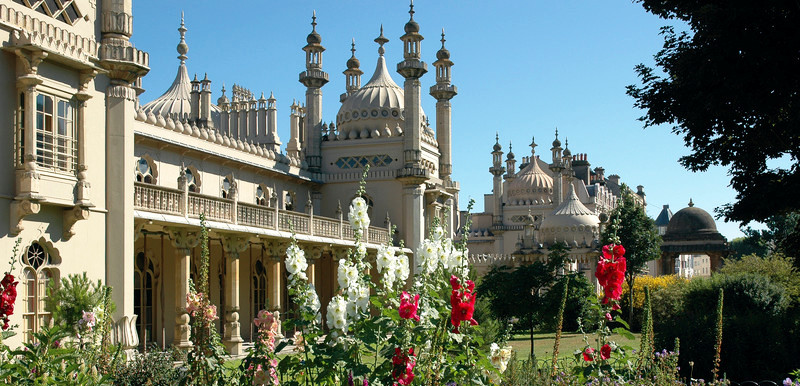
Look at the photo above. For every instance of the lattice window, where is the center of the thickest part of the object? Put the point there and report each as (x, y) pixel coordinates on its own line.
(63, 10)
(192, 181)
(144, 171)
(144, 283)
(259, 287)
(262, 196)
(226, 188)
(56, 142)
(357, 162)
(37, 273)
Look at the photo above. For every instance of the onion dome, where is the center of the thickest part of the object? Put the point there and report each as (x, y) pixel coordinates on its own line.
(443, 53)
(497, 146)
(176, 102)
(510, 153)
(314, 38)
(353, 63)
(532, 186)
(567, 152)
(571, 222)
(379, 103)
(556, 142)
(412, 26)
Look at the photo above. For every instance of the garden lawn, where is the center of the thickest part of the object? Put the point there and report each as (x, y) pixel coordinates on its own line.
(543, 344)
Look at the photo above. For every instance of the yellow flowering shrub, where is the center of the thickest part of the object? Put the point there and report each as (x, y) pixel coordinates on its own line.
(654, 283)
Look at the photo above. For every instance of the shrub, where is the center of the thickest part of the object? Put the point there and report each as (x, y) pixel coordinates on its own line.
(665, 292)
(778, 268)
(754, 342)
(579, 294)
(154, 368)
(72, 297)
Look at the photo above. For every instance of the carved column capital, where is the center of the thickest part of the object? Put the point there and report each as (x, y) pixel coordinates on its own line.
(233, 245)
(183, 238)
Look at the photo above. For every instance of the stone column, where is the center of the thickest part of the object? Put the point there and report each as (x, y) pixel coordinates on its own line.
(183, 240)
(275, 282)
(233, 246)
(413, 218)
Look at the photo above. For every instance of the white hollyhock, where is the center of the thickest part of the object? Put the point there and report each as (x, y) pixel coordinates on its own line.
(384, 258)
(296, 263)
(401, 268)
(337, 313)
(348, 274)
(357, 216)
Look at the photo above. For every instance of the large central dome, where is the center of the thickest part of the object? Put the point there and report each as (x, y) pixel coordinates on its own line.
(375, 106)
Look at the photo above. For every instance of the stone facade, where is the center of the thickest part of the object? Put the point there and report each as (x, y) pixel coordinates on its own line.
(103, 183)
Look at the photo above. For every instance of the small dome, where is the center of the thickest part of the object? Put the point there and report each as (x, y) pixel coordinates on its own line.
(314, 38)
(567, 153)
(443, 54)
(556, 143)
(353, 63)
(510, 154)
(411, 27)
(497, 146)
(532, 184)
(691, 220)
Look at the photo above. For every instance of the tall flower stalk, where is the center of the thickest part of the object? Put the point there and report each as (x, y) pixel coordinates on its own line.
(718, 343)
(559, 327)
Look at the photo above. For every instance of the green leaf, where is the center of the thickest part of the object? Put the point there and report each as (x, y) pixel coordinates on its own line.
(624, 333)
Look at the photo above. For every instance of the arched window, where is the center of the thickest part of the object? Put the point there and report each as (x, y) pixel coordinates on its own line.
(37, 274)
(144, 282)
(259, 287)
(145, 171)
(226, 187)
(192, 181)
(262, 197)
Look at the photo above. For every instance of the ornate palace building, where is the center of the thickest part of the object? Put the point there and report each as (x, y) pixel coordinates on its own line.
(542, 203)
(98, 182)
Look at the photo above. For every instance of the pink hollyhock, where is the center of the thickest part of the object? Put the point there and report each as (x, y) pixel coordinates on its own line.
(588, 354)
(608, 317)
(408, 307)
(605, 352)
(8, 295)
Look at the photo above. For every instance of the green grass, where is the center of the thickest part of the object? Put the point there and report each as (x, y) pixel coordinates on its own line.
(570, 342)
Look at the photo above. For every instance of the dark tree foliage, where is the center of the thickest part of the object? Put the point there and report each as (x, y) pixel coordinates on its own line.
(781, 235)
(638, 234)
(517, 293)
(731, 88)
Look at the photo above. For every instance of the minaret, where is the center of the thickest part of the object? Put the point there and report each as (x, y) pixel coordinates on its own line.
(557, 167)
(443, 91)
(497, 171)
(412, 68)
(566, 161)
(511, 164)
(352, 73)
(313, 78)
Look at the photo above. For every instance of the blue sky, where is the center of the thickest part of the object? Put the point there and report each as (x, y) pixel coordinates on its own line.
(522, 69)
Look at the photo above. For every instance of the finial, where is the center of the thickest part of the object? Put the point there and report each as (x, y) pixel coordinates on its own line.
(691, 204)
(271, 95)
(443, 39)
(533, 146)
(205, 76)
(314, 21)
(556, 132)
(381, 40)
(411, 10)
(223, 88)
(353, 47)
(566, 143)
(497, 137)
(183, 48)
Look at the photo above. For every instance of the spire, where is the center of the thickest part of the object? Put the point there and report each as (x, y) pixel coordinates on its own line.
(691, 204)
(183, 48)
(314, 21)
(381, 40)
(533, 148)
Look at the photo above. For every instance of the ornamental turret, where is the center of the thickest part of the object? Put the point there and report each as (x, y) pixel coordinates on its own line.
(412, 68)
(557, 167)
(511, 164)
(352, 73)
(497, 171)
(313, 78)
(443, 91)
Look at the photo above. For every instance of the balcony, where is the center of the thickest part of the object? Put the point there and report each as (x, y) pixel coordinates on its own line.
(157, 199)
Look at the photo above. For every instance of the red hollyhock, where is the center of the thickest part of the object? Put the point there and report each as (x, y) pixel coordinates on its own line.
(408, 307)
(588, 354)
(462, 301)
(610, 271)
(403, 366)
(605, 352)
(8, 295)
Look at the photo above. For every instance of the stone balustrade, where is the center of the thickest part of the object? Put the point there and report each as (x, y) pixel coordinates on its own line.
(152, 198)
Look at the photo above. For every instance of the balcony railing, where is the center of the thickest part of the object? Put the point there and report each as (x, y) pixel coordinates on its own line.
(159, 199)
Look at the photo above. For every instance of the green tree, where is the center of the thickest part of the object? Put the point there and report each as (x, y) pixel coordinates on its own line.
(781, 236)
(518, 292)
(730, 86)
(631, 227)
